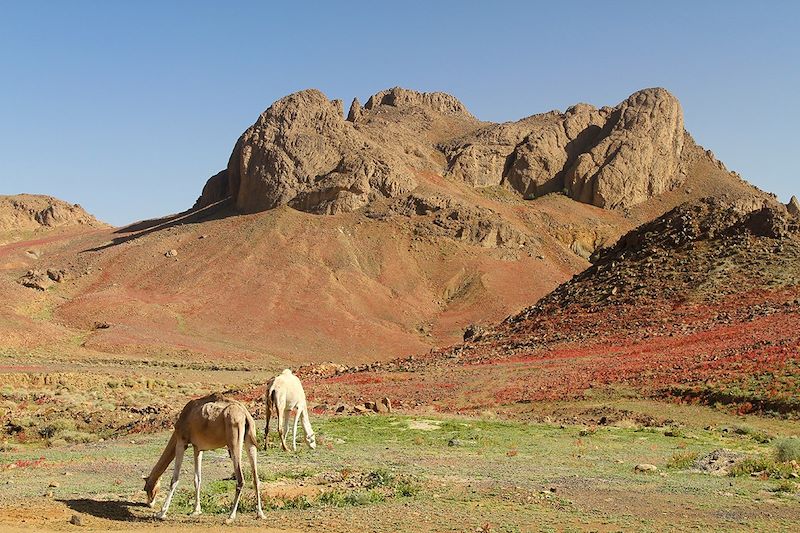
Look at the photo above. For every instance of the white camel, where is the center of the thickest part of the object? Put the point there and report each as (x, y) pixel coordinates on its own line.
(285, 393)
(208, 423)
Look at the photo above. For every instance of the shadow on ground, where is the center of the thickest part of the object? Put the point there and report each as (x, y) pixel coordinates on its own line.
(110, 510)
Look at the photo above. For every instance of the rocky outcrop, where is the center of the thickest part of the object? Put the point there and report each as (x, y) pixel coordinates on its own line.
(436, 215)
(609, 157)
(539, 163)
(215, 190)
(399, 97)
(481, 158)
(638, 158)
(301, 152)
(31, 211)
(793, 207)
(355, 112)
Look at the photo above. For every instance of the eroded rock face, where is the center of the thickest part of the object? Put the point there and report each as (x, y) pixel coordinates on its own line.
(481, 158)
(302, 152)
(638, 158)
(540, 161)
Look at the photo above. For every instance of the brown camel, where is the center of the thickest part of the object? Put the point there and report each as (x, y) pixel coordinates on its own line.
(208, 423)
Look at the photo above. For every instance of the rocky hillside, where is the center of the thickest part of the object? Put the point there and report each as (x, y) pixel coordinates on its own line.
(367, 236)
(700, 304)
(27, 215)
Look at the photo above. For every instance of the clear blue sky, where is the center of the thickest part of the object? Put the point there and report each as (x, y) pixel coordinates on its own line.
(128, 107)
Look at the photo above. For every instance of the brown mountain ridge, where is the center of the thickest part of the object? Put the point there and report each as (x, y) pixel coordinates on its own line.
(368, 237)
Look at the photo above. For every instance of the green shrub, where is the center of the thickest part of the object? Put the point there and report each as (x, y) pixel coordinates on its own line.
(788, 450)
(56, 427)
(338, 498)
(755, 434)
(378, 478)
(764, 465)
(785, 486)
(682, 461)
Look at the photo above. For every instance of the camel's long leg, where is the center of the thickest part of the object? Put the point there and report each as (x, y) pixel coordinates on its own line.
(236, 456)
(253, 455)
(294, 430)
(266, 428)
(180, 447)
(283, 426)
(198, 466)
(306, 424)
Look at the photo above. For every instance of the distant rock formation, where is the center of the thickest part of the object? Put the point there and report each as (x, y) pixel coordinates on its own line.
(301, 152)
(33, 211)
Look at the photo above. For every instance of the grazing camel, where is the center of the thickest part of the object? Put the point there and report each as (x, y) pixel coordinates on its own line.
(208, 423)
(285, 393)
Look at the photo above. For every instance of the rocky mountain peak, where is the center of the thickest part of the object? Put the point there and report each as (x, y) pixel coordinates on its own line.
(399, 97)
(303, 153)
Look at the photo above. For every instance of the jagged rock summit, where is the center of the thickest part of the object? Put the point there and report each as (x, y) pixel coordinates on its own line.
(304, 153)
(794, 206)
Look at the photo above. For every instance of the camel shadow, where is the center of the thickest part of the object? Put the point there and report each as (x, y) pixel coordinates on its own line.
(111, 510)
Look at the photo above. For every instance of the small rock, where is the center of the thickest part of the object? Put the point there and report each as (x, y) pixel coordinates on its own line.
(342, 408)
(171, 253)
(76, 520)
(53, 485)
(454, 442)
(387, 403)
(644, 467)
(473, 332)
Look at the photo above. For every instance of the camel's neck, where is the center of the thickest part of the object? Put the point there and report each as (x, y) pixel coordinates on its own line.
(166, 458)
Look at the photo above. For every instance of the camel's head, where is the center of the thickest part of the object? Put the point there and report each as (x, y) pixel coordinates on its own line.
(311, 440)
(151, 489)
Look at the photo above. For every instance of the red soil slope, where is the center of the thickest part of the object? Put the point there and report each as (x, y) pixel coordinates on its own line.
(702, 304)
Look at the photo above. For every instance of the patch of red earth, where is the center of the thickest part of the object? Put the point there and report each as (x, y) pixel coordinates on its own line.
(724, 355)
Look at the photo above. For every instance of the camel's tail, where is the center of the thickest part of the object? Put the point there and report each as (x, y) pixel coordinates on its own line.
(273, 399)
